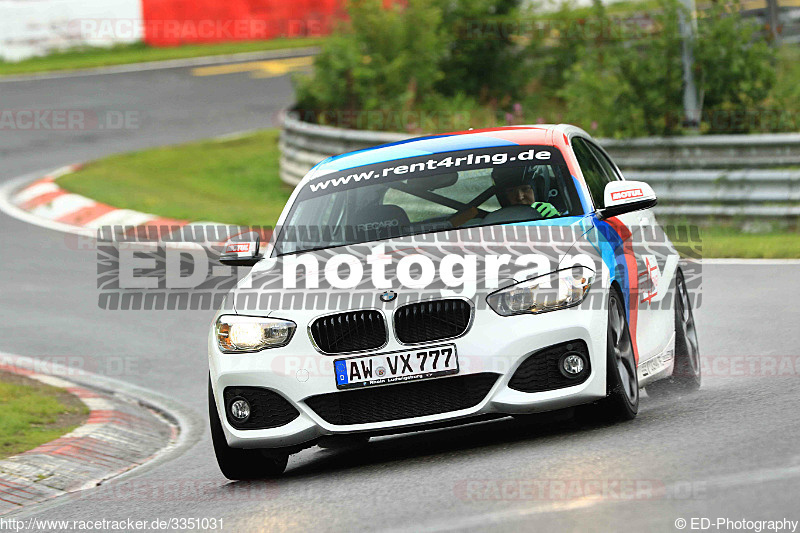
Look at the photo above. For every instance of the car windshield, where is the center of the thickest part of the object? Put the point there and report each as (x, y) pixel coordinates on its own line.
(432, 193)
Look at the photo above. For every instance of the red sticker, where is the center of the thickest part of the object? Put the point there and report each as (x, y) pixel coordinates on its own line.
(238, 248)
(624, 195)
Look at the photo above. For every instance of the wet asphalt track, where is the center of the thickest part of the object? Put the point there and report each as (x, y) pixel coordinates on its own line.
(730, 450)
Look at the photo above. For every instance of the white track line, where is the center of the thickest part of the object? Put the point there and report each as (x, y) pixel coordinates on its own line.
(63, 205)
(120, 217)
(38, 189)
(6, 206)
(69, 203)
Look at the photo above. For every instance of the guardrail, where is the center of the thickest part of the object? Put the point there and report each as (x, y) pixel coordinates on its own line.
(716, 175)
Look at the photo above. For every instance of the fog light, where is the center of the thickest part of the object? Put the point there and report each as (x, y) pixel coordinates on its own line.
(572, 365)
(240, 409)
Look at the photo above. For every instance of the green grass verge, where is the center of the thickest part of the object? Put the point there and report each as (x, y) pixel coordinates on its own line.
(32, 413)
(230, 181)
(236, 181)
(729, 242)
(89, 57)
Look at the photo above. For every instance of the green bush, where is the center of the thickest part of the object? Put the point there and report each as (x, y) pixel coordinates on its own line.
(628, 87)
(635, 87)
(438, 65)
(408, 67)
(736, 71)
(783, 103)
(386, 59)
(482, 60)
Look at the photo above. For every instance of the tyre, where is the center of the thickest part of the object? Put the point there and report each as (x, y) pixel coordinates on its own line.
(240, 464)
(622, 381)
(686, 376)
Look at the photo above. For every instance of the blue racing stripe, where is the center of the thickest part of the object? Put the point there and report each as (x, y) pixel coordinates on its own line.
(611, 248)
(413, 148)
(451, 143)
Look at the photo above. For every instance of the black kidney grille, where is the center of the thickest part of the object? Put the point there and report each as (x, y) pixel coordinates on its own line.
(407, 400)
(540, 372)
(268, 409)
(432, 320)
(352, 331)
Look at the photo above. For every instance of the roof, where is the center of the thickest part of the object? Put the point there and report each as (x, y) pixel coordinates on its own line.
(446, 142)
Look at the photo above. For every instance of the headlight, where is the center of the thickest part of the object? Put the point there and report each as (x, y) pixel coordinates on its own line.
(556, 290)
(251, 333)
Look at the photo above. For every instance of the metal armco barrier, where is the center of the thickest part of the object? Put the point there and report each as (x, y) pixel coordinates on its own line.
(717, 175)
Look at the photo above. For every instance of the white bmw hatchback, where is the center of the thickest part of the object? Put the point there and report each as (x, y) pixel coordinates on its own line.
(443, 280)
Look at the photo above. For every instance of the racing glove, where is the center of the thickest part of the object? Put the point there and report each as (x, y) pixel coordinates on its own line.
(546, 209)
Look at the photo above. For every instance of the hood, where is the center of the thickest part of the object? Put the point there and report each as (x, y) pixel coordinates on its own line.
(465, 262)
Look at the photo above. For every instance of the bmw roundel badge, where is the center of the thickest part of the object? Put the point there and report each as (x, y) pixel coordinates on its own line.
(388, 296)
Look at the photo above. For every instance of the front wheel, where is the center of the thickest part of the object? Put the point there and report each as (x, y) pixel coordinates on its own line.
(622, 381)
(240, 464)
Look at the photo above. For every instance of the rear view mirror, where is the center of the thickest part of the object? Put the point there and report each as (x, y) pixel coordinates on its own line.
(242, 250)
(625, 197)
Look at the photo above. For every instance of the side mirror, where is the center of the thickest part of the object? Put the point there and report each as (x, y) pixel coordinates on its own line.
(625, 197)
(239, 252)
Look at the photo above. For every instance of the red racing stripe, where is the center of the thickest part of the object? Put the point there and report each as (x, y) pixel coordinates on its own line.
(633, 279)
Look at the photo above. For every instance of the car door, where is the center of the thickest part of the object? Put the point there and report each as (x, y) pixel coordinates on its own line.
(656, 262)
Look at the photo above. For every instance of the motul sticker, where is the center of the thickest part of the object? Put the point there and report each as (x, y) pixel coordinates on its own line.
(624, 195)
(238, 248)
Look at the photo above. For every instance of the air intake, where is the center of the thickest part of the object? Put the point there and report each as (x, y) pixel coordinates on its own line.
(432, 320)
(407, 400)
(353, 331)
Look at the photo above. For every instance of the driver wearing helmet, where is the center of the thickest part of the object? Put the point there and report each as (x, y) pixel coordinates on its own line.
(514, 186)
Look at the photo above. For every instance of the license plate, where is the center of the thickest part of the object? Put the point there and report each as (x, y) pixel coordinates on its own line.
(396, 367)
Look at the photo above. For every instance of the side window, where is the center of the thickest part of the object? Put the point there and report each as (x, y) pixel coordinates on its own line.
(609, 169)
(596, 177)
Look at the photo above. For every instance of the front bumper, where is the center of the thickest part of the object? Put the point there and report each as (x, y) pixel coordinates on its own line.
(493, 344)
